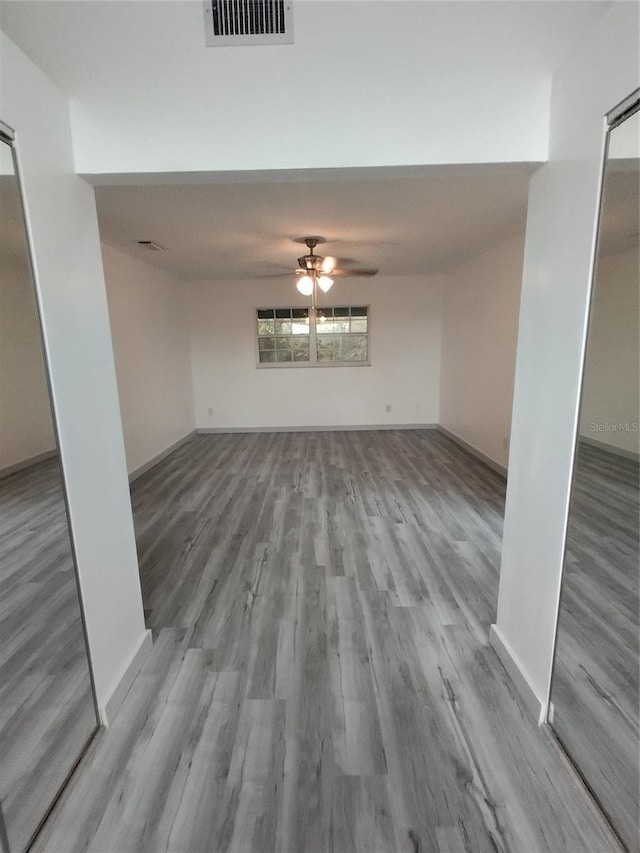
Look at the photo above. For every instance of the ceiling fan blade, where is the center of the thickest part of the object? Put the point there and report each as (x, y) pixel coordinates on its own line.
(270, 275)
(344, 262)
(354, 273)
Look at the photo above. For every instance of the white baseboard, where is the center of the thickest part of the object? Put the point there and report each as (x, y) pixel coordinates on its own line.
(110, 708)
(27, 463)
(160, 456)
(491, 463)
(517, 674)
(340, 428)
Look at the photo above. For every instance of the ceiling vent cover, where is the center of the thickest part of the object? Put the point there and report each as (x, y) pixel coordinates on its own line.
(151, 245)
(248, 22)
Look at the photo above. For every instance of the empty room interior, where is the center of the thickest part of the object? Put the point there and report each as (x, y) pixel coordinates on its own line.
(319, 426)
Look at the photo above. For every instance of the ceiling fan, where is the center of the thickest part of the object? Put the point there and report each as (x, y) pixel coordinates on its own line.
(319, 271)
(326, 265)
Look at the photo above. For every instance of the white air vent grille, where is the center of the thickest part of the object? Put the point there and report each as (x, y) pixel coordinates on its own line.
(248, 22)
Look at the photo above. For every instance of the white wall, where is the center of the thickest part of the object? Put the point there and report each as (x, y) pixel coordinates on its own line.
(149, 326)
(61, 213)
(479, 332)
(26, 429)
(560, 236)
(404, 348)
(610, 394)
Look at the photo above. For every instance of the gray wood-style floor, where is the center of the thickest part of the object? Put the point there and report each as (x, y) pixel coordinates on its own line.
(595, 691)
(46, 704)
(321, 680)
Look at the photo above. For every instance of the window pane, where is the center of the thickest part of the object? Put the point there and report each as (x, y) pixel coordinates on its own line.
(283, 313)
(325, 349)
(265, 313)
(265, 344)
(358, 312)
(283, 355)
(359, 324)
(324, 327)
(338, 348)
(340, 312)
(341, 326)
(354, 348)
(282, 343)
(265, 327)
(300, 327)
(300, 313)
(266, 357)
(301, 353)
(282, 327)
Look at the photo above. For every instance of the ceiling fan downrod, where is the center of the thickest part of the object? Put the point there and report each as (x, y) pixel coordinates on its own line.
(310, 262)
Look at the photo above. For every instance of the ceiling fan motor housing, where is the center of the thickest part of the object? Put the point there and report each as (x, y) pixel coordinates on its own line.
(311, 263)
(317, 266)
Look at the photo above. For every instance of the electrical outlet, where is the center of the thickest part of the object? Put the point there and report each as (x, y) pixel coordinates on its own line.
(387, 408)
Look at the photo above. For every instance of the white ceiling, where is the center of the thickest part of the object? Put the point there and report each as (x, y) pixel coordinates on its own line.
(416, 221)
(373, 83)
(426, 223)
(141, 82)
(400, 221)
(76, 41)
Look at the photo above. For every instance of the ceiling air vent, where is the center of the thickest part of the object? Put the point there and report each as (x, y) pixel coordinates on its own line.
(151, 245)
(249, 22)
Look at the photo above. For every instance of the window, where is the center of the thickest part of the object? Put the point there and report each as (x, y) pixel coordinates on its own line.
(321, 336)
(283, 335)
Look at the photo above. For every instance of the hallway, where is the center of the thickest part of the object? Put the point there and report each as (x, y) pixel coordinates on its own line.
(321, 678)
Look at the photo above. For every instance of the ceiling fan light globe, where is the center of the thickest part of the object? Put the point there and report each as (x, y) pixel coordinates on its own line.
(325, 283)
(305, 285)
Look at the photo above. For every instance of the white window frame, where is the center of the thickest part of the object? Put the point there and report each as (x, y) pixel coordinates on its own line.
(313, 352)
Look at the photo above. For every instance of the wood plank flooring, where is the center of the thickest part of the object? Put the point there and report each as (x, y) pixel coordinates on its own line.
(46, 704)
(321, 680)
(596, 693)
